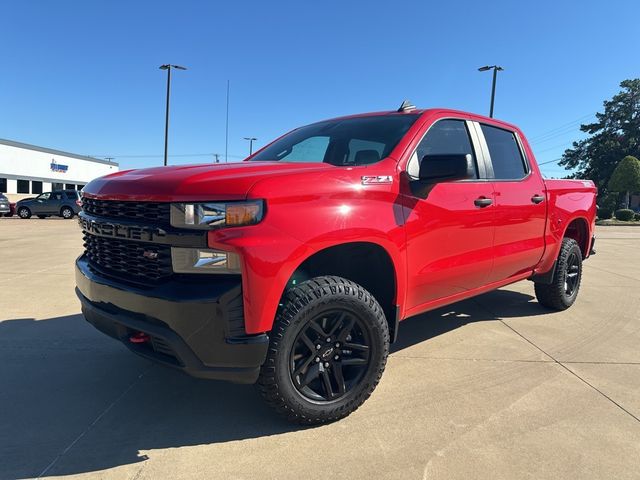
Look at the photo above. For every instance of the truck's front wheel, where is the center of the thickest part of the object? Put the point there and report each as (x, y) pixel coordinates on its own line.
(327, 351)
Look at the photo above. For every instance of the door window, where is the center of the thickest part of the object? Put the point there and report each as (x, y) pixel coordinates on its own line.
(506, 157)
(56, 196)
(44, 196)
(446, 137)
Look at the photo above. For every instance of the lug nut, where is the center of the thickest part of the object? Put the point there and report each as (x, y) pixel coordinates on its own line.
(337, 344)
(328, 339)
(317, 359)
(337, 357)
(326, 364)
(318, 347)
(348, 338)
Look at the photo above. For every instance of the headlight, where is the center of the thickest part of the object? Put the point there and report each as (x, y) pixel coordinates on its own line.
(207, 216)
(203, 260)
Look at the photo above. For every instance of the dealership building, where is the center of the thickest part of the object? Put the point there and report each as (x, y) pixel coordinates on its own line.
(27, 170)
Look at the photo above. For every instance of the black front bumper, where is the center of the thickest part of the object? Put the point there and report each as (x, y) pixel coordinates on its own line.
(196, 326)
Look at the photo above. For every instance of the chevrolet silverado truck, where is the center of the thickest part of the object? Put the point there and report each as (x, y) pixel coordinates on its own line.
(294, 268)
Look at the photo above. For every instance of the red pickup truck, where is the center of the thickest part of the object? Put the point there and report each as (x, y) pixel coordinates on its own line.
(294, 268)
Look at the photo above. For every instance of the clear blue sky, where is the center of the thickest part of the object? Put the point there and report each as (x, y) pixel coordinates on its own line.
(83, 76)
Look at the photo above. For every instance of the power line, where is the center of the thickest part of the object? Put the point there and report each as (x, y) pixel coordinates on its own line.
(552, 148)
(549, 161)
(179, 155)
(561, 127)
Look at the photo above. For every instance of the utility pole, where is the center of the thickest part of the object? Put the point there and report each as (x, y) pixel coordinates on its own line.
(168, 68)
(495, 69)
(226, 135)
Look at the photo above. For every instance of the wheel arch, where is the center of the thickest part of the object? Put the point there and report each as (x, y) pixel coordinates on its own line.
(578, 229)
(366, 263)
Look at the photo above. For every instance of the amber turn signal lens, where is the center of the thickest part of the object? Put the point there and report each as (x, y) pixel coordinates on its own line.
(243, 213)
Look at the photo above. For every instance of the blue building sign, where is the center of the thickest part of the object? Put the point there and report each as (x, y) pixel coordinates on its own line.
(58, 167)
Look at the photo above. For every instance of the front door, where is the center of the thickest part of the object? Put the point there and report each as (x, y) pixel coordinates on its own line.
(449, 231)
(40, 204)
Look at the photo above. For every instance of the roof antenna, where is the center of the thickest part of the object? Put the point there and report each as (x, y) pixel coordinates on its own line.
(407, 106)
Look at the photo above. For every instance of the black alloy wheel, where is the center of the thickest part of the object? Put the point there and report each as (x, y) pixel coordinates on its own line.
(330, 355)
(571, 273)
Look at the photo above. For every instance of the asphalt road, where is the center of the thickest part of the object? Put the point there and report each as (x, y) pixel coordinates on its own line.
(491, 388)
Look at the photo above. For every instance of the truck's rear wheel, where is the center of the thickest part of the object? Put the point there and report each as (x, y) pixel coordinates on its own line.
(328, 349)
(562, 292)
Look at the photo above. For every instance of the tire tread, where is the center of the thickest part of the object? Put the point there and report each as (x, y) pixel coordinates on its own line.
(294, 301)
(552, 295)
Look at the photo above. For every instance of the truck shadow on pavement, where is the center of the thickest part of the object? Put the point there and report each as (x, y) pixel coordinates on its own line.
(74, 401)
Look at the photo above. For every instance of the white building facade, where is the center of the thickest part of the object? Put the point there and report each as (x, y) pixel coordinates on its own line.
(27, 170)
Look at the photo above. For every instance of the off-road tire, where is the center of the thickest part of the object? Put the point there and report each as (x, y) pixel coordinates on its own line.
(24, 213)
(303, 304)
(556, 294)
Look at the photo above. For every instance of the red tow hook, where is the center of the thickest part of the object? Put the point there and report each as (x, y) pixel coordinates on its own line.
(139, 337)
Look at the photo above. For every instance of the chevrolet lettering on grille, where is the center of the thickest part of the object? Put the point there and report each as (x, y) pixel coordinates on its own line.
(106, 229)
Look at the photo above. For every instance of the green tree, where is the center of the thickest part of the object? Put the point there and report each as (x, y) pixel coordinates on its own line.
(614, 135)
(626, 178)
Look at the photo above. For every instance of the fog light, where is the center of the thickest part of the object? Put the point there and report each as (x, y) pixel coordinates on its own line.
(202, 260)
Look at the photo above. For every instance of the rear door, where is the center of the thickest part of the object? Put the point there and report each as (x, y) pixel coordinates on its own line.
(450, 230)
(55, 202)
(520, 201)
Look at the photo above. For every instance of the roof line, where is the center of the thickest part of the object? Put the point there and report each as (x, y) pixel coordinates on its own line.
(27, 146)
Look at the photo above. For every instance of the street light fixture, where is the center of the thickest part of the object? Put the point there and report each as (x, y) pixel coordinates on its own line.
(251, 140)
(495, 69)
(168, 68)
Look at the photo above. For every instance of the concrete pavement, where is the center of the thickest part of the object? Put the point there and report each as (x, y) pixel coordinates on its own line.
(495, 387)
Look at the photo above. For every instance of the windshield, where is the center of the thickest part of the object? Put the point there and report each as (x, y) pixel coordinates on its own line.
(347, 142)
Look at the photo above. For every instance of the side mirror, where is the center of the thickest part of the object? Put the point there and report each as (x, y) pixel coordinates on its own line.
(445, 168)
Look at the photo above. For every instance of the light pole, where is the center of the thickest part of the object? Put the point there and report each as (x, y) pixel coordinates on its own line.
(495, 69)
(251, 140)
(168, 68)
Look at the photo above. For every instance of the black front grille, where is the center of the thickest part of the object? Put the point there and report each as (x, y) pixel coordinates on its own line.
(133, 261)
(157, 212)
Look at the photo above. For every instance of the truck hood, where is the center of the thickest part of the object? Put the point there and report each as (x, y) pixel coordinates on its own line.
(222, 181)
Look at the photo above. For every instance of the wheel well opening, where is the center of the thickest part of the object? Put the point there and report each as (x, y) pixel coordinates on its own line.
(367, 264)
(578, 230)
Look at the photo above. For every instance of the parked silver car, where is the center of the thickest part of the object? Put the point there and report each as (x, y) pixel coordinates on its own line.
(5, 208)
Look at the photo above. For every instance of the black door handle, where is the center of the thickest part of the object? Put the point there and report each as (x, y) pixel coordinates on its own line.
(482, 202)
(537, 199)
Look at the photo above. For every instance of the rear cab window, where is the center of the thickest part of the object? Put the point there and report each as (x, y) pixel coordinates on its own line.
(507, 159)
